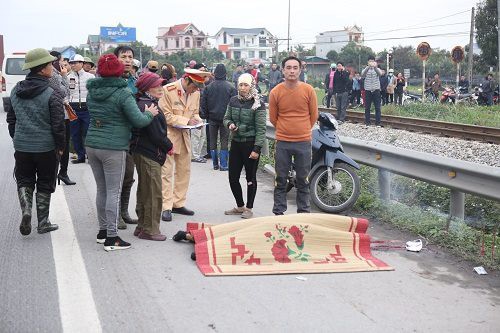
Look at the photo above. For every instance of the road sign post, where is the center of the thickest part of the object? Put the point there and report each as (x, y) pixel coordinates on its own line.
(457, 55)
(423, 51)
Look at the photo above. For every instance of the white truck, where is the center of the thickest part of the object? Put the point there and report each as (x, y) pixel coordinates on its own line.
(12, 73)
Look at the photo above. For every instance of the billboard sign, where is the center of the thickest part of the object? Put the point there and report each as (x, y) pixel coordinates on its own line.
(118, 34)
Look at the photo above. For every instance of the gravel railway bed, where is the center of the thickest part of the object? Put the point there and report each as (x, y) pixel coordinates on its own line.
(465, 150)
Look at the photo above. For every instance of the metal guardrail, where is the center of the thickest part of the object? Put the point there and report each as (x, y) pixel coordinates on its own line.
(454, 174)
(459, 176)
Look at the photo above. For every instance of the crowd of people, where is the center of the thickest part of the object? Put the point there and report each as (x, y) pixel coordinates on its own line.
(120, 117)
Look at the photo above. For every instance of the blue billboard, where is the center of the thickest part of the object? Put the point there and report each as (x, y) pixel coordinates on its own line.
(118, 34)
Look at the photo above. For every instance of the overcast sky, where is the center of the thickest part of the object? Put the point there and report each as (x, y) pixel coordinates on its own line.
(27, 24)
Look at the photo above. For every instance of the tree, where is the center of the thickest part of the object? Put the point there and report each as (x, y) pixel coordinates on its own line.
(406, 57)
(355, 55)
(487, 31)
(332, 55)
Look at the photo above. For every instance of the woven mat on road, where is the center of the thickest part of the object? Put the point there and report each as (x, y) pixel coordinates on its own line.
(300, 243)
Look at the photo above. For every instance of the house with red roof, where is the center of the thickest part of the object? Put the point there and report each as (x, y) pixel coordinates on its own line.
(180, 37)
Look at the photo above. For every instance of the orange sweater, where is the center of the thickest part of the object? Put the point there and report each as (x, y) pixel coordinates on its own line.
(293, 112)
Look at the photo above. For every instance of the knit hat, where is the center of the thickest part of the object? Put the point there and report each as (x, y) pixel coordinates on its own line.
(37, 57)
(149, 80)
(245, 78)
(109, 65)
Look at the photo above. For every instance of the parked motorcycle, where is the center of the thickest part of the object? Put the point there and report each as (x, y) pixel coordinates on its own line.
(334, 183)
(450, 95)
(481, 97)
(410, 98)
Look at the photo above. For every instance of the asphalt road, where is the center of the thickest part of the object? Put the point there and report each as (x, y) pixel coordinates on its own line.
(64, 281)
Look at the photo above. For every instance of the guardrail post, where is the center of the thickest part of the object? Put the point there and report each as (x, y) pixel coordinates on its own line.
(457, 204)
(265, 149)
(384, 184)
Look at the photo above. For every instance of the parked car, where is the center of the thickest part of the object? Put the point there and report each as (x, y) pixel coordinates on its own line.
(12, 73)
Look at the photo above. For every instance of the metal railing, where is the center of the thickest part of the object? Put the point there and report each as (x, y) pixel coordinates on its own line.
(459, 176)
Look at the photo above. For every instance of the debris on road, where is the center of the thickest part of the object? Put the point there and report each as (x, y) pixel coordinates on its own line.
(480, 270)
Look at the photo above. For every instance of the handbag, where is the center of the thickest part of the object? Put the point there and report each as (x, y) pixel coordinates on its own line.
(71, 113)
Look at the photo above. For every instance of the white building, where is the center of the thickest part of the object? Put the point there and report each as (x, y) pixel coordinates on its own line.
(252, 45)
(180, 37)
(336, 40)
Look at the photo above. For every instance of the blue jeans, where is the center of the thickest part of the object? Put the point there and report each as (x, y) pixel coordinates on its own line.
(79, 129)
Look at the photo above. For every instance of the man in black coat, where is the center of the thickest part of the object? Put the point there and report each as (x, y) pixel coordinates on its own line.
(384, 82)
(213, 105)
(341, 87)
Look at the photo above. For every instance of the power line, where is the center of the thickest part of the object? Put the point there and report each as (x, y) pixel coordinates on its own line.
(429, 26)
(395, 38)
(433, 20)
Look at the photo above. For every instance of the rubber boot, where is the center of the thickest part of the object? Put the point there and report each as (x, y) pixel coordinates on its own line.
(42, 212)
(125, 217)
(25, 195)
(215, 159)
(224, 154)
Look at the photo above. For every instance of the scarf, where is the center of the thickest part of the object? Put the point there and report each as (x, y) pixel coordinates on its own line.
(252, 94)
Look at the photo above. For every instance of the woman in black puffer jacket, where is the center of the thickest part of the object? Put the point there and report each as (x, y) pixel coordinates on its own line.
(150, 147)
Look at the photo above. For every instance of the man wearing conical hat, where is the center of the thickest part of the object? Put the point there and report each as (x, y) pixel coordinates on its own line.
(180, 104)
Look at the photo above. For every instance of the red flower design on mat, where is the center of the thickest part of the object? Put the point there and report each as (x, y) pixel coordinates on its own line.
(298, 236)
(268, 234)
(280, 251)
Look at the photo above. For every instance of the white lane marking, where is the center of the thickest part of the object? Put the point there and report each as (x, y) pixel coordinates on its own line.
(76, 302)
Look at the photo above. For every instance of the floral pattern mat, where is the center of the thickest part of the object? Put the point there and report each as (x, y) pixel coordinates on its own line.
(299, 243)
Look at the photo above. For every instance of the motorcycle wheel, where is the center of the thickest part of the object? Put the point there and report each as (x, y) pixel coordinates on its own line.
(342, 197)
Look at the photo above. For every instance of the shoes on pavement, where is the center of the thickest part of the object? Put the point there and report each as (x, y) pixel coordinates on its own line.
(199, 160)
(47, 227)
(101, 236)
(78, 161)
(115, 243)
(182, 211)
(121, 224)
(166, 215)
(126, 217)
(137, 231)
(235, 211)
(65, 179)
(157, 237)
(247, 214)
(278, 214)
(179, 236)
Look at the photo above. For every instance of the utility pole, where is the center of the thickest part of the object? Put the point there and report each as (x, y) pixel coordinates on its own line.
(471, 46)
(498, 45)
(288, 37)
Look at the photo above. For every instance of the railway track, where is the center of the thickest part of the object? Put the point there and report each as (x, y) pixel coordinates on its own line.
(454, 130)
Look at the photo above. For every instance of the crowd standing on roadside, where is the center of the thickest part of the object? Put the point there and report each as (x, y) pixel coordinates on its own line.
(124, 117)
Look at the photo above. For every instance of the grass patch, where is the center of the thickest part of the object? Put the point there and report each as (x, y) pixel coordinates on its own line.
(421, 209)
(478, 115)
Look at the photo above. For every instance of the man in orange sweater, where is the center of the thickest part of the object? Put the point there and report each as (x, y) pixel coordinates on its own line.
(293, 110)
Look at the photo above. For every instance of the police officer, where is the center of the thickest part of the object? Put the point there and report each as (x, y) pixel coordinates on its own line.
(180, 104)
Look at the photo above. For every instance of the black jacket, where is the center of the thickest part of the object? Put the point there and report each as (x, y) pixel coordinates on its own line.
(151, 141)
(383, 83)
(341, 82)
(216, 96)
(33, 86)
